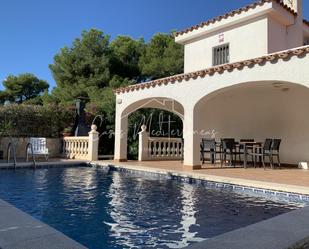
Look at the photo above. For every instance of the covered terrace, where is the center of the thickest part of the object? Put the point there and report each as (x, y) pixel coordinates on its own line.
(265, 97)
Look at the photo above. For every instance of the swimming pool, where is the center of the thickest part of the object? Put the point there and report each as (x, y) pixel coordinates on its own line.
(110, 209)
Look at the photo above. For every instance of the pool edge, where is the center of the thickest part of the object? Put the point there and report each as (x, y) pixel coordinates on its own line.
(286, 231)
(20, 230)
(165, 174)
(284, 192)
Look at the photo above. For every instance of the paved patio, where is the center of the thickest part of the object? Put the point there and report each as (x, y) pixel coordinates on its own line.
(289, 179)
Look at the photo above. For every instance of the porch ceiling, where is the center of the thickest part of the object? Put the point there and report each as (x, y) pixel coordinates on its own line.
(259, 111)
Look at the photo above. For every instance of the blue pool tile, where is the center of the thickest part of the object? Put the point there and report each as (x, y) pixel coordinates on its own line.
(281, 195)
(239, 188)
(269, 192)
(259, 191)
(246, 189)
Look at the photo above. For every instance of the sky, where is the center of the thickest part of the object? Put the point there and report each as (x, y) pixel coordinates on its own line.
(33, 31)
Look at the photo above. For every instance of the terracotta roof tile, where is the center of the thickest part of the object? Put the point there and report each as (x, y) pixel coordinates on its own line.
(219, 69)
(233, 13)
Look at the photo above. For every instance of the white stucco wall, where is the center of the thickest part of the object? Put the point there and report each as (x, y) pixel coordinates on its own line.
(295, 32)
(246, 41)
(261, 111)
(265, 29)
(277, 36)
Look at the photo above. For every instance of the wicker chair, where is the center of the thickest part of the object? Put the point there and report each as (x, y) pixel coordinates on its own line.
(275, 151)
(229, 149)
(209, 146)
(262, 151)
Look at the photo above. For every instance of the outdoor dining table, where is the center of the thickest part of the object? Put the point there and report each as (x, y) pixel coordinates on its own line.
(246, 146)
(250, 145)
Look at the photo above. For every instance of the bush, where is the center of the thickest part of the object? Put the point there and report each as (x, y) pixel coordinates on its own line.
(35, 121)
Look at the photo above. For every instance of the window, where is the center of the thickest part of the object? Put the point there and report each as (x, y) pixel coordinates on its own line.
(221, 55)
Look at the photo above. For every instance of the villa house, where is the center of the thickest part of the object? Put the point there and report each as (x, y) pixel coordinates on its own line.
(245, 76)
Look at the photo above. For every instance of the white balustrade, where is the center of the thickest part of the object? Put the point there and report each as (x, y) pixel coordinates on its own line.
(83, 148)
(162, 148)
(159, 148)
(76, 147)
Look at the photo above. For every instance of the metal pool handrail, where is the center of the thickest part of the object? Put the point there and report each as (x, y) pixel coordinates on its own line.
(12, 148)
(29, 145)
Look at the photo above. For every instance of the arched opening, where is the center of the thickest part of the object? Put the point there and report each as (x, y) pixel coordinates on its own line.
(260, 110)
(162, 117)
(167, 104)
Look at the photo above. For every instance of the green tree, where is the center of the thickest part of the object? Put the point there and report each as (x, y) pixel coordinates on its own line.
(125, 55)
(23, 87)
(162, 57)
(83, 67)
(93, 66)
(4, 96)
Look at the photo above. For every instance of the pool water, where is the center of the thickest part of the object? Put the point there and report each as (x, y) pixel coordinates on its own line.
(109, 209)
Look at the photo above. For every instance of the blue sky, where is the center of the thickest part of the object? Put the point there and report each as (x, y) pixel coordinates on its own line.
(33, 31)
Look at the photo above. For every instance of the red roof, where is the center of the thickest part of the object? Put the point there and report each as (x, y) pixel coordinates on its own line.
(220, 69)
(233, 13)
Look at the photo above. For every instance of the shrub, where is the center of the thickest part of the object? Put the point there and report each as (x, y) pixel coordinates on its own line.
(34, 121)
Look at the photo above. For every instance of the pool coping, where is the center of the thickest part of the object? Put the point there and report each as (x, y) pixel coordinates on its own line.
(284, 192)
(20, 230)
(286, 231)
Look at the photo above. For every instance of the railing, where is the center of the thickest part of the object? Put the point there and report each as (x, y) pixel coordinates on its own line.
(11, 148)
(83, 148)
(158, 148)
(30, 146)
(162, 148)
(76, 147)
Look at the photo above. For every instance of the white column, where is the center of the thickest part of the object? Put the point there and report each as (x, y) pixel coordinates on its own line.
(121, 137)
(295, 37)
(143, 138)
(191, 140)
(93, 147)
